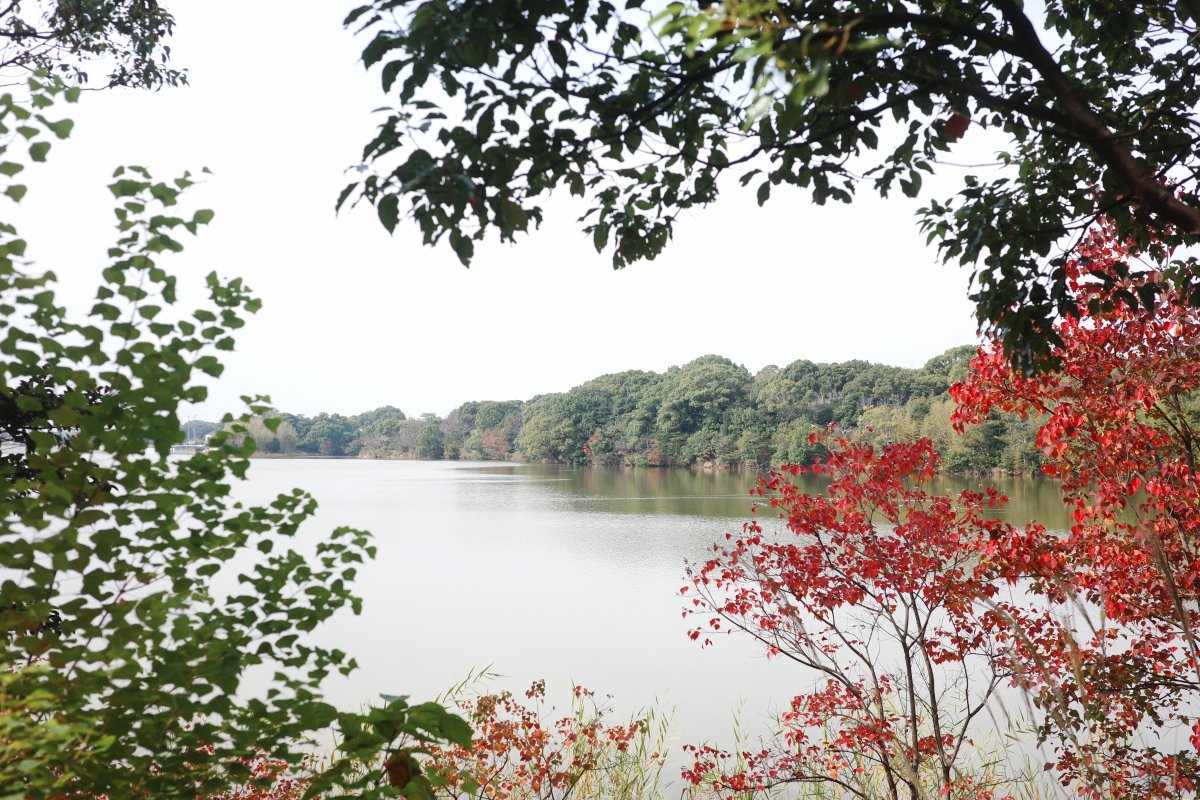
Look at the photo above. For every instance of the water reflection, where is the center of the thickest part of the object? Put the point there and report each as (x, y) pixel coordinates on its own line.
(726, 494)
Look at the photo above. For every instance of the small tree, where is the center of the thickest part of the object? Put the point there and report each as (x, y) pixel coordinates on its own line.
(1116, 669)
(879, 592)
(135, 594)
(431, 442)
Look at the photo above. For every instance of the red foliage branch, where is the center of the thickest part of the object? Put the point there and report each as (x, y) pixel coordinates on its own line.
(1119, 435)
(913, 608)
(879, 589)
(269, 779)
(517, 752)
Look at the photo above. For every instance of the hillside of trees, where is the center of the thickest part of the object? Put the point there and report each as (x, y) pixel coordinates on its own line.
(710, 411)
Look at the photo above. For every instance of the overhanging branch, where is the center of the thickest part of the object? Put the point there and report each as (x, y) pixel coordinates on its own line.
(1140, 178)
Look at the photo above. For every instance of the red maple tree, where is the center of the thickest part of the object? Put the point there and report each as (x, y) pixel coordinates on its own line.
(879, 591)
(915, 609)
(1115, 665)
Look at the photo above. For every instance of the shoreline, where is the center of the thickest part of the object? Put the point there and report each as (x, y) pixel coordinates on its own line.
(707, 466)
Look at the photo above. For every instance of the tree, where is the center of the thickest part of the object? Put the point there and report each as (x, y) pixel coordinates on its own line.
(135, 594)
(491, 414)
(1096, 624)
(642, 113)
(127, 36)
(697, 399)
(431, 442)
(878, 591)
(952, 364)
(1118, 429)
(383, 420)
(405, 438)
(782, 398)
(330, 435)
(494, 445)
(543, 438)
(299, 423)
(285, 438)
(483, 429)
(889, 424)
(269, 434)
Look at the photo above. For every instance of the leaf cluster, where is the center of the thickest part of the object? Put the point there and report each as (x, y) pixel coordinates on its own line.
(641, 114)
(135, 594)
(127, 36)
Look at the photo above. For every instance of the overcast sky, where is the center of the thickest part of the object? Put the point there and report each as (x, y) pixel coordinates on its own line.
(279, 107)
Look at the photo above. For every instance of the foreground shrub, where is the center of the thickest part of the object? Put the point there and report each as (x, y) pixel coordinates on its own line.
(135, 594)
(522, 751)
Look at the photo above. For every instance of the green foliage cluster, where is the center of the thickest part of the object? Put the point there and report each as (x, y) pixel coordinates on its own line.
(709, 410)
(128, 38)
(326, 434)
(337, 435)
(647, 110)
(135, 595)
(712, 410)
(475, 430)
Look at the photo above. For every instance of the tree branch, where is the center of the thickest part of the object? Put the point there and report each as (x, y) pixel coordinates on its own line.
(1144, 184)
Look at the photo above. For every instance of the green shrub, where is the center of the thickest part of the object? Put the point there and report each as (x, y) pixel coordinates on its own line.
(135, 594)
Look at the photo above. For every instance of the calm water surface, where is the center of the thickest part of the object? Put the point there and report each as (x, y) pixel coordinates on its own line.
(568, 574)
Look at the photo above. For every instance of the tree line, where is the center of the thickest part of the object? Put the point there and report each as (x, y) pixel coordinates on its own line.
(709, 411)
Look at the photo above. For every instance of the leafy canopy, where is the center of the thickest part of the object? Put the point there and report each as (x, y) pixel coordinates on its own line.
(135, 594)
(127, 37)
(642, 113)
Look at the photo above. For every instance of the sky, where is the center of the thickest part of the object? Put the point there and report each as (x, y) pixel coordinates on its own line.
(279, 106)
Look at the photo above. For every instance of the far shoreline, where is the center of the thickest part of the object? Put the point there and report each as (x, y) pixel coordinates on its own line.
(707, 466)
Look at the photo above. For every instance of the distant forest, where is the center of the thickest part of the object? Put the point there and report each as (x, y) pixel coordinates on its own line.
(710, 411)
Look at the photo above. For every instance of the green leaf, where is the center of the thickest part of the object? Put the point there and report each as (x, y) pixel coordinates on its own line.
(61, 128)
(463, 247)
(345, 193)
(209, 365)
(391, 71)
(127, 187)
(764, 192)
(456, 730)
(512, 216)
(389, 211)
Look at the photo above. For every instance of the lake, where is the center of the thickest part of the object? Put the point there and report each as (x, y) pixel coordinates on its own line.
(564, 573)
